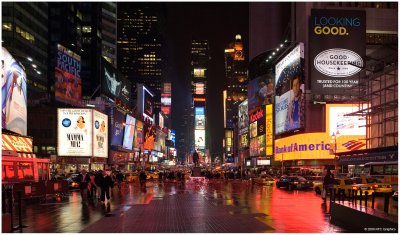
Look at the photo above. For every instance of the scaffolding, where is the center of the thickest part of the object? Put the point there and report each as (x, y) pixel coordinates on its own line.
(378, 97)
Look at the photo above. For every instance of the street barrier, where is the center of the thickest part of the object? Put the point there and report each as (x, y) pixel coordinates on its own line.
(30, 190)
(386, 204)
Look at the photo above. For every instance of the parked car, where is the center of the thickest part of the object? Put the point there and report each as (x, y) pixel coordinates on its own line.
(264, 180)
(350, 184)
(152, 175)
(131, 177)
(317, 182)
(73, 181)
(377, 185)
(293, 182)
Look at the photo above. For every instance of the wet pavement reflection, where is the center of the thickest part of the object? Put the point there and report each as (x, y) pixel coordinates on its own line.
(279, 210)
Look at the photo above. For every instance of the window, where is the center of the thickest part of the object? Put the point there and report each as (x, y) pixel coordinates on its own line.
(86, 29)
(7, 26)
(25, 170)
(8, 171)
(387, 170)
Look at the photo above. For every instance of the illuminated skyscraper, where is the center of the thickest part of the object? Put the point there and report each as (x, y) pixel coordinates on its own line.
(200, 57)
(141, 45)
(236, 76)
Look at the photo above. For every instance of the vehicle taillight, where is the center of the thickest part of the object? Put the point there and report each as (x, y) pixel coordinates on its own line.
(295, 182)
(389, 186)
(355, 188)
(376, 186)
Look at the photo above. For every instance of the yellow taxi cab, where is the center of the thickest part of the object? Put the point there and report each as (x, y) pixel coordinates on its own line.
(264, 180)
(131, 177)
(152, 175)
(376, 184)
(346, 184)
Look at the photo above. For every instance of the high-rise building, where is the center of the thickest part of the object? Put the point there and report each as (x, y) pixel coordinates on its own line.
(236, 76)
(200, 58)
(141, 45)
(99, 39)
(24, 35)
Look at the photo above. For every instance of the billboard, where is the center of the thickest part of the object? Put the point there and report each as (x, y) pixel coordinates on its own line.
(149, 137)
(13, 95)
(200, 138)
(345, 125)
(100, 134)
(199, 118)
(129, 132)
(244, 141)
(117, 127)
(165, 99)
(257, 146)
(336, 51)
(68, 76)
(199, 100)
(139, 135)
(260, 91)
(166, 110)
(269, 130)
(148, 103)
(167, 88)
(258, 117)
(74, 132)
(289, 91)
(243, 117)
(113, 84)
(199, 88)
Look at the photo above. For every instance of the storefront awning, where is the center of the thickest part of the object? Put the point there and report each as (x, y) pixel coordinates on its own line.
(368, 155)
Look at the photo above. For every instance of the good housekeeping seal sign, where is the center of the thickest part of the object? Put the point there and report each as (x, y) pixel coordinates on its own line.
(337, 48)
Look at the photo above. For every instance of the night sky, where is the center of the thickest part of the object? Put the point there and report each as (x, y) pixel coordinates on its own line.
(218, 23)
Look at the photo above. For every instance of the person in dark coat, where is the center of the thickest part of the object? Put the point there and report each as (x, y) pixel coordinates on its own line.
(328, 185)
(84, 180)
(106, 182)
(120, 177)
(196, 158)
(98, 179)
(142, 178)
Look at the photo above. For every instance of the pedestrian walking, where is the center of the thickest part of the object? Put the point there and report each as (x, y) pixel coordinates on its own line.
(120, 177)
(84, 180)
(328, 186)
(142, 178)
(93, 185)
(105, 187)
(98, 179)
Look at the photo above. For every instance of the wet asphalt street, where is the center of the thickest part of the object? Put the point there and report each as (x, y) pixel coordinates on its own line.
(196, 206)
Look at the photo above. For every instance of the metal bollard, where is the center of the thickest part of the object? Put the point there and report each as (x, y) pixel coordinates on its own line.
(349, 194)
(19, 209)
(361, 197)
(373, 200)
(343, 195)
(386, 205)
(366, 198)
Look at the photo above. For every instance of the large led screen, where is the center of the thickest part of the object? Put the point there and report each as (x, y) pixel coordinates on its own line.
(260, 91)
(269, 129)
(74, 132)
(257, 146)
(68, 76)
(149, 137)
(200, 138)
(13, 95)
(336, 50)
(243, 117)
(148, 103)
(244, 141)
(257, 116)
(117, 127)
(113, 84)
(100, 134)
(199, 118)
(129, 132)
(343, 124)
(166, 99)
(289, 93)
(139, 135)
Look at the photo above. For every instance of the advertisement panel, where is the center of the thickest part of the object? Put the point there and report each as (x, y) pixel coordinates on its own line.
(345, 125)
(148, 103)
(119, 158)
(117, 127)
(139, 135)
(113, 84)
(166, 99)
(199, 118)
(100, 134)
(129, 132)
(199, 100)
(260, 91)
(257, 116)
(289, 93)
(16, 143)
(160, 120)
(13, 95)
(199, 88)
(269, 130)
(336, 54)
(149, 137)
(243, 117)
(166, 110)
(68, 76)
(257, 146)
(253, 129)
(160, 141)
(200, 138)
(74, 132)
(244, 141)
(167, 88)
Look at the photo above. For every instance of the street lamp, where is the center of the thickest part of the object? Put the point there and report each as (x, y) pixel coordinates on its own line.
(335, 135)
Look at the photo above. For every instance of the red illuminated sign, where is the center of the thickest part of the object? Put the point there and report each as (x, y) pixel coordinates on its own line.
(257, 115)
